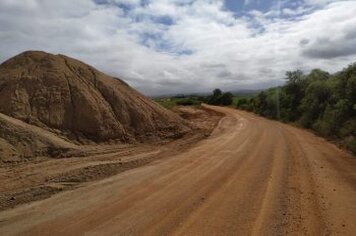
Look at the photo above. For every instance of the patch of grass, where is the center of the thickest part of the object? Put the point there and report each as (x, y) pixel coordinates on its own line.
(166, 102)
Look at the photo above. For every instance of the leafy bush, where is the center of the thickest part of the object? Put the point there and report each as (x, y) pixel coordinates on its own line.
(187, 102)
(350, 143)
(220, 98)
(320, 101)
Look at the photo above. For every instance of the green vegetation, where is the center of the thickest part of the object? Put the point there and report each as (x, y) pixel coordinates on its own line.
(180, 100)
(220, 98)
(217, 98)
(323, 102)
(243, 96)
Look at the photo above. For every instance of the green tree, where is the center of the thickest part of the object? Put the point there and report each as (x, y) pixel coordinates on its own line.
(217, 92)
(220, 98)
(226, 99)
(314, 103)
(321, 101)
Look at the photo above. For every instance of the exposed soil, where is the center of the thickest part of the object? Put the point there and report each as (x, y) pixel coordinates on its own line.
(36, 178)
(251, 176)
(74, 100)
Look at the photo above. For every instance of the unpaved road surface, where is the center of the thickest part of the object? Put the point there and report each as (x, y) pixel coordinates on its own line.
(252, 176)
(37, 177)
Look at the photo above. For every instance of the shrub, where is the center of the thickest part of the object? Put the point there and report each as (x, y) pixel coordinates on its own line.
(186, 102)
(350, 143)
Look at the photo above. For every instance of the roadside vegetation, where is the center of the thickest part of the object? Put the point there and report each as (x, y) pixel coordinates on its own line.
(322, 102)
(220, 98)
(243, 95)
(180, 100)
(217, 98)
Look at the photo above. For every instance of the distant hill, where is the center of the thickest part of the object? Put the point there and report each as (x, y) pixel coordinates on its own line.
(245, 92)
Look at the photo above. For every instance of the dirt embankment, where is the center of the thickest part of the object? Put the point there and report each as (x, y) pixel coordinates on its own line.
(64, 123)
(61, 100)
(39, 177)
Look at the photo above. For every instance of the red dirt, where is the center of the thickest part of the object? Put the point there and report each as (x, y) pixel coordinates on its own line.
(251, 176)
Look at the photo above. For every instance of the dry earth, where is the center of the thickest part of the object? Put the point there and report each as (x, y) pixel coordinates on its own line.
(23, 180)
(65, 96)
(251, 176)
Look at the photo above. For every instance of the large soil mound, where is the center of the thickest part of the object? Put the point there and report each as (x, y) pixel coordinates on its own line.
(73, 99)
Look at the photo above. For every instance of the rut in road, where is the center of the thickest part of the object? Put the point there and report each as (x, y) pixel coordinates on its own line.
(251, 176)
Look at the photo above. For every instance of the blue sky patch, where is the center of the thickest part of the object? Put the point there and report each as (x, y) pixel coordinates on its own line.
(241, 6)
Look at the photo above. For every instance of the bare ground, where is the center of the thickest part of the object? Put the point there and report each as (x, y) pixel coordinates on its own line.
(32, 179)
(251, 176)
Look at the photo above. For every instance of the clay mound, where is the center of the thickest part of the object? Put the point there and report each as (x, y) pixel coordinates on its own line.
(62, 94)
(19, 140)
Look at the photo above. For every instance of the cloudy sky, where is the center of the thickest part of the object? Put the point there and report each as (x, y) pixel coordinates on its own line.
(184, 46)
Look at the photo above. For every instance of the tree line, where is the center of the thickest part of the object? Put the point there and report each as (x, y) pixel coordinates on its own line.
(219, 98)
(323, 102)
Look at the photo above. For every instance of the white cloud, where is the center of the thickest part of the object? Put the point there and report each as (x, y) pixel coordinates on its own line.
(128, 2)
(320, 2)
(205, 47)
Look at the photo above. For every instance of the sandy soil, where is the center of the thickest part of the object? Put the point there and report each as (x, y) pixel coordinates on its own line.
(72, 98)
(251, 176)
(39, 177)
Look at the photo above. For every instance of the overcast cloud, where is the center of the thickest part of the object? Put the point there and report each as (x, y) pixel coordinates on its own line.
(184, 46)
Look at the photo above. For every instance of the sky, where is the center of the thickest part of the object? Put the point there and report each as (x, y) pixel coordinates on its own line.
(186, 46)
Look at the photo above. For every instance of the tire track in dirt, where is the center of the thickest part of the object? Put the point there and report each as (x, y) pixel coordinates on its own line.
(252, 176)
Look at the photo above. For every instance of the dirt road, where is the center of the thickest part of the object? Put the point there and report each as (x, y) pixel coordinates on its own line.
(252, 176)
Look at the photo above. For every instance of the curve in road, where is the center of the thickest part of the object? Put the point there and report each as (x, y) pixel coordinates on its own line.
(252, 176)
